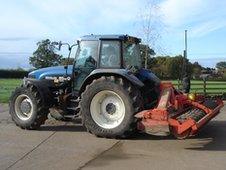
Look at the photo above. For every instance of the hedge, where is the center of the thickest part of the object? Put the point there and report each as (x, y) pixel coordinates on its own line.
(13, 73)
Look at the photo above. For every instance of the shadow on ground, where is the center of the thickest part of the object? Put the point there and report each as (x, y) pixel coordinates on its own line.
(63, 128)
(212, 137)
(54, 125)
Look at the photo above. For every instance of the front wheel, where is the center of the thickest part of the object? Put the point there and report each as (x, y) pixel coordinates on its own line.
(108, 106)
(26, 108)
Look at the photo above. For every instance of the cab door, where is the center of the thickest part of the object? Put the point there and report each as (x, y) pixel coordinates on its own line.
(86, 61)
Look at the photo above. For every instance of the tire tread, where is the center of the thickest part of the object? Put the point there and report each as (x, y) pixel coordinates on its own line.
(134, 94)
(42, 111)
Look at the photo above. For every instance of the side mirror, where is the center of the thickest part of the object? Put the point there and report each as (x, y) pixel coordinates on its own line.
(57, 43)
(54, 43)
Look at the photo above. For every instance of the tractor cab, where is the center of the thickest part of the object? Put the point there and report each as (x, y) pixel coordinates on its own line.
(108, 51)
(101, 52)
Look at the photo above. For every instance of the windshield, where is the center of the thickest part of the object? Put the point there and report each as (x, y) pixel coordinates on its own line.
(86, 55)
(131, 54)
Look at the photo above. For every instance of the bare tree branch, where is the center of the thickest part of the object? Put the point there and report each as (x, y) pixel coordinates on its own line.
(150, 26)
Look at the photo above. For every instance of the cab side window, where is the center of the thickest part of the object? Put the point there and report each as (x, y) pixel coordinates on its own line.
(110, 54)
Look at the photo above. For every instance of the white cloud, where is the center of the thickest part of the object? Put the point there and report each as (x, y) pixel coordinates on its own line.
(64, 19)
(204, 28)
(81, 17)
(32, 20)
(199, 16)
(178, 12)
(16, 21)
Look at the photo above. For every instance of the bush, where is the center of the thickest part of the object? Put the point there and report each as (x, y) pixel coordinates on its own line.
(13, 73)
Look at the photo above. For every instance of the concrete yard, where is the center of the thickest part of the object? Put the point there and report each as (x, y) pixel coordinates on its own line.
(60, 145)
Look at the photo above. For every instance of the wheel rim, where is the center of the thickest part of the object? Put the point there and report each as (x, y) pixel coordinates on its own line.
(107, 109)
(23, 107)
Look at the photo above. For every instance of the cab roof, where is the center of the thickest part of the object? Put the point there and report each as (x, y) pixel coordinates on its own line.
(108, 37)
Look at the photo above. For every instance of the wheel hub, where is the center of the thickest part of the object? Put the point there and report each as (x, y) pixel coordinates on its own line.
(110, 108)
(25, 106)
(107, 109)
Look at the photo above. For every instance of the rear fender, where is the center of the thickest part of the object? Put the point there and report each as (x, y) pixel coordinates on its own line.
(112, 72)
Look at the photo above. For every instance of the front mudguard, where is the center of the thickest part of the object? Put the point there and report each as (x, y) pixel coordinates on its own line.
(43, 87)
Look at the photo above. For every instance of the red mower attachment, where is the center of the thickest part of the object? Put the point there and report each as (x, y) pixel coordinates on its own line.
(177, 113)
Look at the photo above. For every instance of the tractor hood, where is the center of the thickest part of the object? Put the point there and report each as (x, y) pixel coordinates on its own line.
(50, 71)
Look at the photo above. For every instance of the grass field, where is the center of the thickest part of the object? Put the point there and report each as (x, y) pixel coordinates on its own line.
(8, 85)
(213, 87)
(6, 88)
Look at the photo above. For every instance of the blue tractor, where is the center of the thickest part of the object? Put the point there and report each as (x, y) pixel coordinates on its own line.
(105, 87)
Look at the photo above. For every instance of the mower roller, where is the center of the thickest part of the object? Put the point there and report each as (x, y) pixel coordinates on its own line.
(178, 113)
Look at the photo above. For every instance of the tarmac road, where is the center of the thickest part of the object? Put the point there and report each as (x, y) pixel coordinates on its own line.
(66, 146)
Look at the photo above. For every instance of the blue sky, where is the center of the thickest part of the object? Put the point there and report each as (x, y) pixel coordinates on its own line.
(24, 23)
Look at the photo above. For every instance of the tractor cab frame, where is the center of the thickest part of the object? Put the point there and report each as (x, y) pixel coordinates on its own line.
(106, 54)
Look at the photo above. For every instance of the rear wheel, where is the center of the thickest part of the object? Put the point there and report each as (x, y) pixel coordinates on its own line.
(108, 106)
(26, 108)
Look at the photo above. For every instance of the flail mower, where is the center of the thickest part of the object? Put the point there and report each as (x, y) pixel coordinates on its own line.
(177, 113)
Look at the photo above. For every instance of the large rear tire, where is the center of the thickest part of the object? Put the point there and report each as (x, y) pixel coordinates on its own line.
(108, 106)
(27, 109)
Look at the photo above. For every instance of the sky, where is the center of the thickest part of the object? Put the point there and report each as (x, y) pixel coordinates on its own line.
(24, 23)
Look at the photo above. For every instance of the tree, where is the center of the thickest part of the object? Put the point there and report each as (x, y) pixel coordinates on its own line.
(45, 55)
(65, 61)
(167, 67)
(174, 65)
(146, 53)
(196, 69)
(159, 67)
(221, 65)
(150, 26)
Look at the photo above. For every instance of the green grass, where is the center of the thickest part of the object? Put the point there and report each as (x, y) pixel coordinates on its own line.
(217, 87)
(8, 85)
(6, 88)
